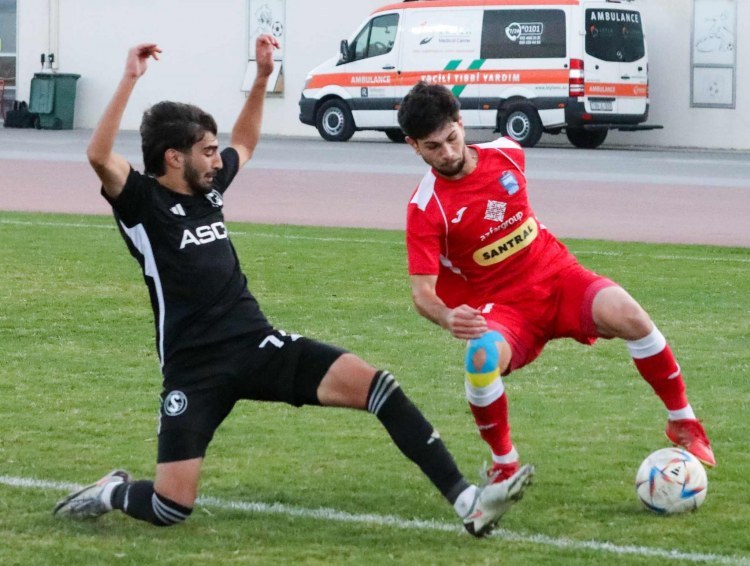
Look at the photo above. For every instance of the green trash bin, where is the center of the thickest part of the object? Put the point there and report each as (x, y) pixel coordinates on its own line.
(53, 97)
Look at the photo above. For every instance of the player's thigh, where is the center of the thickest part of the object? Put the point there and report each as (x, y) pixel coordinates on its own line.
(346, 383)
(294, 372)
(178, 481)
(618, 315)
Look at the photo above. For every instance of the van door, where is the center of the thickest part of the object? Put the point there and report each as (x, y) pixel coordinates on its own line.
(441, 46)
(615, 63)
(369, 77)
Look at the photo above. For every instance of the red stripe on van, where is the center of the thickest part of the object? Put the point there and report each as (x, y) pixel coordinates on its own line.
(617, 89)
(477, 3)
(457, 77)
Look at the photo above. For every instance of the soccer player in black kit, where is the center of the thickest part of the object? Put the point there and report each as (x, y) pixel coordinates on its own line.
(214, 343)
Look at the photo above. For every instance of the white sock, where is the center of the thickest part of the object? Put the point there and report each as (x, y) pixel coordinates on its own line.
(106, 494)
(511, 456)
(685, 413)
(465, 501)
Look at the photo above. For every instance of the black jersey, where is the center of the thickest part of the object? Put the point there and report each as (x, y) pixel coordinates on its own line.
(198, 291)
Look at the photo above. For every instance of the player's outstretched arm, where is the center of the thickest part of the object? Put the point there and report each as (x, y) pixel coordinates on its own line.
(246, 131)
(463, 322)
(112, 168)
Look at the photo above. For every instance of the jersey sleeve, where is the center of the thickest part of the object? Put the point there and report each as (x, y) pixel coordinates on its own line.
(230, 160)
(423, 238)
(132, 204)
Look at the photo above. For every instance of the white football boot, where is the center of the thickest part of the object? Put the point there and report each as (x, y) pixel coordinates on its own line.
(493, 500)
(88, 503)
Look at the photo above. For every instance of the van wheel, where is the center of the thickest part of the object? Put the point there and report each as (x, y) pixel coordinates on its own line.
(334, 121)
(396, 135)
(522, 124)
(586, 139)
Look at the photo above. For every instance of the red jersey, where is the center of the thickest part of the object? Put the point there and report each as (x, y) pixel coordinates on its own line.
(479, 234)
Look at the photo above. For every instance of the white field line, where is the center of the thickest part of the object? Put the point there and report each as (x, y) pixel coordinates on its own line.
(376, 241)
(327, 514)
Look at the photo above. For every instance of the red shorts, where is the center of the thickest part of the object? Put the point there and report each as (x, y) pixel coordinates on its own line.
(559, 307)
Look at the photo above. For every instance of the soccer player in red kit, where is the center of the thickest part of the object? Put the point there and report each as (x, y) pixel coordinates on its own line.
(487, 270)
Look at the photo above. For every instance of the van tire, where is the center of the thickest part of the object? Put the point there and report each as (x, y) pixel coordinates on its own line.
(396, 135)
(586, 139)
(334, 121)
(521, 123)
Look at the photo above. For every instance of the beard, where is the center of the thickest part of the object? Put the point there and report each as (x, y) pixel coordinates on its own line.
(451, 170)
(199, 184)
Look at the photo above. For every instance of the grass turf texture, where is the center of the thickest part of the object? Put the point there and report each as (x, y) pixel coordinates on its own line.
(79, 386)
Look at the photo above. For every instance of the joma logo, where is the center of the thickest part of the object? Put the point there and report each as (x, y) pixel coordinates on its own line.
(204, 234)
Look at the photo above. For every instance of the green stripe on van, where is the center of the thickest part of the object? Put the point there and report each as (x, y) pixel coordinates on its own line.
(473, 66)
(452, 65)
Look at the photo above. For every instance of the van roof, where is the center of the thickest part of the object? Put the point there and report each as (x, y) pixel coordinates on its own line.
(407, 4)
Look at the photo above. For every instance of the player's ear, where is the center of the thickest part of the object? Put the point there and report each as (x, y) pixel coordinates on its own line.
(173, 159)
(413, 143)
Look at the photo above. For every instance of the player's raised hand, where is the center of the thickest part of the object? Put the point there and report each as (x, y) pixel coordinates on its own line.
(465, 322)
(264, 46)
(138, 56)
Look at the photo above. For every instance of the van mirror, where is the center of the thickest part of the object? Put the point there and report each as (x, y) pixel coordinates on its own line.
(345, 53)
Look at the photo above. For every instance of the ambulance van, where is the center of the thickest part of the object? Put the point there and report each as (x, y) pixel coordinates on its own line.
(521, 67)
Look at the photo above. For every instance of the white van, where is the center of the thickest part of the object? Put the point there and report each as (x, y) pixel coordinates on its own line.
(521, 67)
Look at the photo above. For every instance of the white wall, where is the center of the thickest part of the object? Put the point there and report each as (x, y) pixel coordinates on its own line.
(205, 54)
(205, 46)
(668, 26)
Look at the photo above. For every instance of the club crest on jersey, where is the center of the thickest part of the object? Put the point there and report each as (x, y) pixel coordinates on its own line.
(509, 182)
(214, 197)
(495, 210)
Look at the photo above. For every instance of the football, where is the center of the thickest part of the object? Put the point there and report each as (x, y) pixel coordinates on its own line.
(671, 480)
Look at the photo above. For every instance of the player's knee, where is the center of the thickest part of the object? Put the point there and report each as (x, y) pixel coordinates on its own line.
(617, 314)
(168, 513)
(482, 360)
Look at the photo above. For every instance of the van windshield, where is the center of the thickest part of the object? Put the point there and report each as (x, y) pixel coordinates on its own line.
(376, 38)
(614, 35)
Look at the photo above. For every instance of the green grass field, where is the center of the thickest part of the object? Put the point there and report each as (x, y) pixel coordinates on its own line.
(79, 385)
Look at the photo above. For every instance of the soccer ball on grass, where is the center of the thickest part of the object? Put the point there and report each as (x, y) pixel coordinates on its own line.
(671, 480)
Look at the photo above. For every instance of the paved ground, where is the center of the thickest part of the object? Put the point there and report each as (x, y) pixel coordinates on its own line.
(630, 195)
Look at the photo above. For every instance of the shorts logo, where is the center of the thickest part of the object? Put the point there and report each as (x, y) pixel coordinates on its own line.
(495, 210)
(175, 403)
(509, 182)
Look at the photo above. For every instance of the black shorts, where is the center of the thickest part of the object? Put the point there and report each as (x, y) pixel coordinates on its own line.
(202, 385)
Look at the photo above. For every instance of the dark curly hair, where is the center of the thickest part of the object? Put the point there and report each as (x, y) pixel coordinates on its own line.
(171, 125)
(426, 109)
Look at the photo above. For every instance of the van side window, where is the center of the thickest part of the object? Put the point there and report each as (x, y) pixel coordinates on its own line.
(521, 34)
(376, 38)
(614, 35)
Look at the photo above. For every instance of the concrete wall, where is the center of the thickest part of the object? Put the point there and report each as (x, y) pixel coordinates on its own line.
(205, 47)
